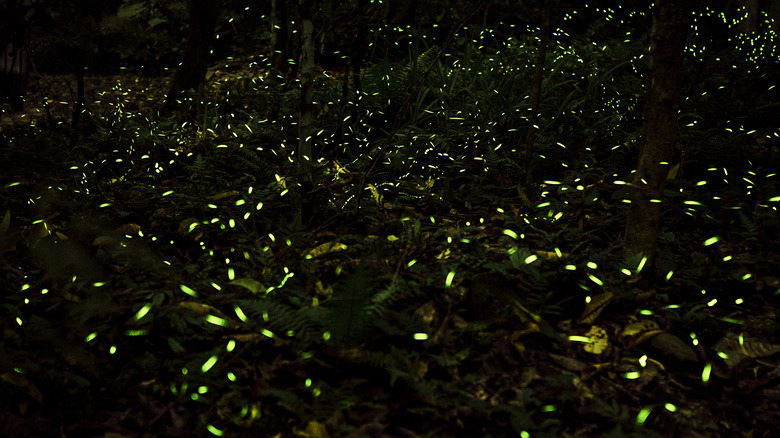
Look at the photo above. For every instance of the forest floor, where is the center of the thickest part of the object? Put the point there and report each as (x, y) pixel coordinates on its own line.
(158, 282)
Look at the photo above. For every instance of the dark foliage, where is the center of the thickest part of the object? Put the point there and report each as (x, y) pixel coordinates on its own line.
(158, 280)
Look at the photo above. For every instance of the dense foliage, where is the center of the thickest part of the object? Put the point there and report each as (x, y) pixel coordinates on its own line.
(159, 279)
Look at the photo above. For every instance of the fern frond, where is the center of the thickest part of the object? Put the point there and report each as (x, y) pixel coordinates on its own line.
(395, 363)
(631, 263)
(750, 227)
(416, 69)
(282, 318)
(200, 171)
(255, 163)
(348, 317)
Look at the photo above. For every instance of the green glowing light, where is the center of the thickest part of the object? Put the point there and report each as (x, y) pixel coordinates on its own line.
(595, 279)
(214, 430)
(448, 280)
(705, 373)
(642, 416)
(711, 240)
(136, 332)
(240, 313)
(142, 312)
(188, 291)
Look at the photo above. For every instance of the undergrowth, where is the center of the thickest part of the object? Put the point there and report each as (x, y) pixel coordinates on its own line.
(163, 272)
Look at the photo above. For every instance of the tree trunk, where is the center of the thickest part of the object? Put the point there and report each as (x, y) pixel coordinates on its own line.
(78, 105)
(749, 13)
(773, 10)
(280, 45)
(15, 17)
(191, 73)
(660, 127)
(13, 76)
(537, 92)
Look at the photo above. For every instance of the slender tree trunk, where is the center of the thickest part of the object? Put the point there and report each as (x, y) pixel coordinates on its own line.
(191, 73)
(537, 92)
(660, 127)
(78, 105)
(15, 17)
(13, 76)
(280, 43)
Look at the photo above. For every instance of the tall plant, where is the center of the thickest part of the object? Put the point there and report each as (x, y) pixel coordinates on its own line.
(660, 130)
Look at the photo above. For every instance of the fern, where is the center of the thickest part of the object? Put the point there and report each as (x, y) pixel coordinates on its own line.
(282, 318)
(256, 164)
(418, 68)
(384, 298)
(631, 263)
(354, 312)
(201, 171)
(750, 227)
(289, 400)
(348, 314)
(394, 363)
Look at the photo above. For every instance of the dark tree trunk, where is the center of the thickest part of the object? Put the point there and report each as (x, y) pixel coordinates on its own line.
(15, 17)
(749, 13)
(660, 127)
(537, 91)
(13, 77)
(78, 105)
(192, 71)
(773, 10)
(280, 40)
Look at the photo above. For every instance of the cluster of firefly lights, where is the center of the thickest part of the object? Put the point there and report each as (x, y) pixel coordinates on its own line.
(760, 52)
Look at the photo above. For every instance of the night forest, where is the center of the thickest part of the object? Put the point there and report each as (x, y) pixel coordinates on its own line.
(389, 218)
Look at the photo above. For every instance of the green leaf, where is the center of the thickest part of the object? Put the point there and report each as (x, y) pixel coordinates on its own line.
(175, 346)
(129, 10)
(250, 284)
